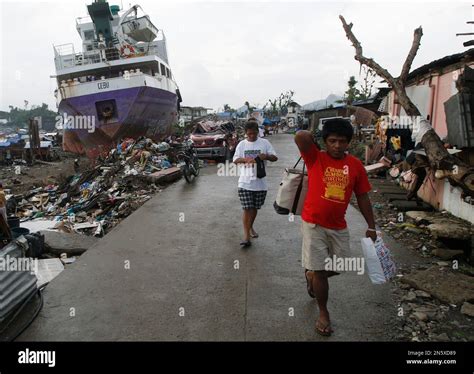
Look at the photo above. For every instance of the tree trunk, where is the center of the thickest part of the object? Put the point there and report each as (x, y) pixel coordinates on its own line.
(441, 161)
(447, 165)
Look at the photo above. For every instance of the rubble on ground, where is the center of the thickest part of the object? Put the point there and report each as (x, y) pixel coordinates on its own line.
(435, 313)
(440, 283)
(434, 299)
(429, 233)
(92, 202)
(467, 309)
(57, 243)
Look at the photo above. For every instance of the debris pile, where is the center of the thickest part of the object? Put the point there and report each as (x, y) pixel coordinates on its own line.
(429, 233)
(429, 310)
(435, 293)
(94, 201)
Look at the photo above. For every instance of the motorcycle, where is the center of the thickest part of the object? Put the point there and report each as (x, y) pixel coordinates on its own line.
(188, 161)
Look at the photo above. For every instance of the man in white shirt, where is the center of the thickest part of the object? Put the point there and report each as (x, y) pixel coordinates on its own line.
(252, 190)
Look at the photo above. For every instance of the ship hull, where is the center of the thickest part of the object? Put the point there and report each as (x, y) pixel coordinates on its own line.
(117, 114)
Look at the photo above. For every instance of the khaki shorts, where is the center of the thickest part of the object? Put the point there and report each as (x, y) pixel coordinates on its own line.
(320, 243)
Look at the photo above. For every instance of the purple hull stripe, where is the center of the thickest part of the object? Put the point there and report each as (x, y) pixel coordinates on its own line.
(140, 111)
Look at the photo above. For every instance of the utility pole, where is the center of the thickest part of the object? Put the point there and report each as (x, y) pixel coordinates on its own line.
(469, 42)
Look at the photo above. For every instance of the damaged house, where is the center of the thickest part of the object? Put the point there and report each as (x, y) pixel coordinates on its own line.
(364, 111)
(189, 114)
(443, 91)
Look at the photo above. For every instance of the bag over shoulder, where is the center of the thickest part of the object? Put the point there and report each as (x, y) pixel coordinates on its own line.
(292, 191)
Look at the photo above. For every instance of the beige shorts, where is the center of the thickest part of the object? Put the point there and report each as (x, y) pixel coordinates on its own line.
(320, 243)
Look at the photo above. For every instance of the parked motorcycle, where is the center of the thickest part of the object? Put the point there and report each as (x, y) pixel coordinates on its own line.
(188, 161)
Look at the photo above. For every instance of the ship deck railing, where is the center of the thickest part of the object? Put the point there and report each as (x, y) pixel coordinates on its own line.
(66, 57)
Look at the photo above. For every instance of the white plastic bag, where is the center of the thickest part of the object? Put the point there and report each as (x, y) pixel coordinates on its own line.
(378, 259)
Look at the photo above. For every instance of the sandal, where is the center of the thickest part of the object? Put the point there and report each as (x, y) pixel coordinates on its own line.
(245, 243)
(254, 235)
(308, 286)
(324, 330)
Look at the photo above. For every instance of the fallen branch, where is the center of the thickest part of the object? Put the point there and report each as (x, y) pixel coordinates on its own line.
(398, 84)
(417, 34)
(440, 160)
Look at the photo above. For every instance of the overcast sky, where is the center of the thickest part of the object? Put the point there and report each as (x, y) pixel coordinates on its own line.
(229, 52)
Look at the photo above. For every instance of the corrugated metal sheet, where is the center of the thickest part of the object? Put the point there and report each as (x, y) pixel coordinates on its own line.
(15, 286)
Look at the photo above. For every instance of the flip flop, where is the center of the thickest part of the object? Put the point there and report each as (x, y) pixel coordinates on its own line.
(308, 285)
(324, 330)
(254, 236)
(245, 243)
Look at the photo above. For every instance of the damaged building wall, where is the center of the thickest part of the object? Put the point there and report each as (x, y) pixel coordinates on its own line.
(441, 195)
(429, 92)
(429, 95)
(421, 96)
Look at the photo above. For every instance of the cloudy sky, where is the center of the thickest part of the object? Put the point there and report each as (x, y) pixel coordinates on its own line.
(225, 52)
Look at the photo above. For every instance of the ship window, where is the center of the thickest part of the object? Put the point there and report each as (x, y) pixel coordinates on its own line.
(106, 110)
(167, 72)
(89, 34)
(163, 69)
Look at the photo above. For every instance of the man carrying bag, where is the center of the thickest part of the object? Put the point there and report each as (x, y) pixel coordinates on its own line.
(333, 175)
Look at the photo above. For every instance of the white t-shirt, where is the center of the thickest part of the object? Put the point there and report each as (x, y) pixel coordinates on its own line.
(248, 179)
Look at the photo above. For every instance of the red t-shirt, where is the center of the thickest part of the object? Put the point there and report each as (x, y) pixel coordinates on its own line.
(330, 186)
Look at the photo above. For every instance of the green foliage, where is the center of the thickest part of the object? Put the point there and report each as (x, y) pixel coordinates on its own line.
(366, 86)
(20, 117)
(352, 92)
(251, 107)
(228, 108)
(357, 149)
(279, 106)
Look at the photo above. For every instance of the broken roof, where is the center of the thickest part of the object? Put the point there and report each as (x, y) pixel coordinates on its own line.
(378, 95)
(442, 63)
(195, 107)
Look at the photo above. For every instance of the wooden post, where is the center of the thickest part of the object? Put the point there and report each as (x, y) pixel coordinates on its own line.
(4, 228)
(30, 137)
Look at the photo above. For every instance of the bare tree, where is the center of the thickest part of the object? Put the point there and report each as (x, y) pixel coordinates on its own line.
(398, 84)
(368, 81)
(443, 163)
(279, 106)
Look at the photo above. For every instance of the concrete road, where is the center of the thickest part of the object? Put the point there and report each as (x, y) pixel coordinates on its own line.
(174, 270)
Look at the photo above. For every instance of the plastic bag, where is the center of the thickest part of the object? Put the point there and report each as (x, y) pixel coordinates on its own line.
(378, 259)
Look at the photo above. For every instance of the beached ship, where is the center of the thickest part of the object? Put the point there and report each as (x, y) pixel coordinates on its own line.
(119, 86)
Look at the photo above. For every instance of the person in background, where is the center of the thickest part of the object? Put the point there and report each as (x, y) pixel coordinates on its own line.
(3, 203)
(9, 158)
(252, 190)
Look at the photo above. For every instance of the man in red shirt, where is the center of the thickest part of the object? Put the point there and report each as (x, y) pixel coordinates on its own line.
(332, 177)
